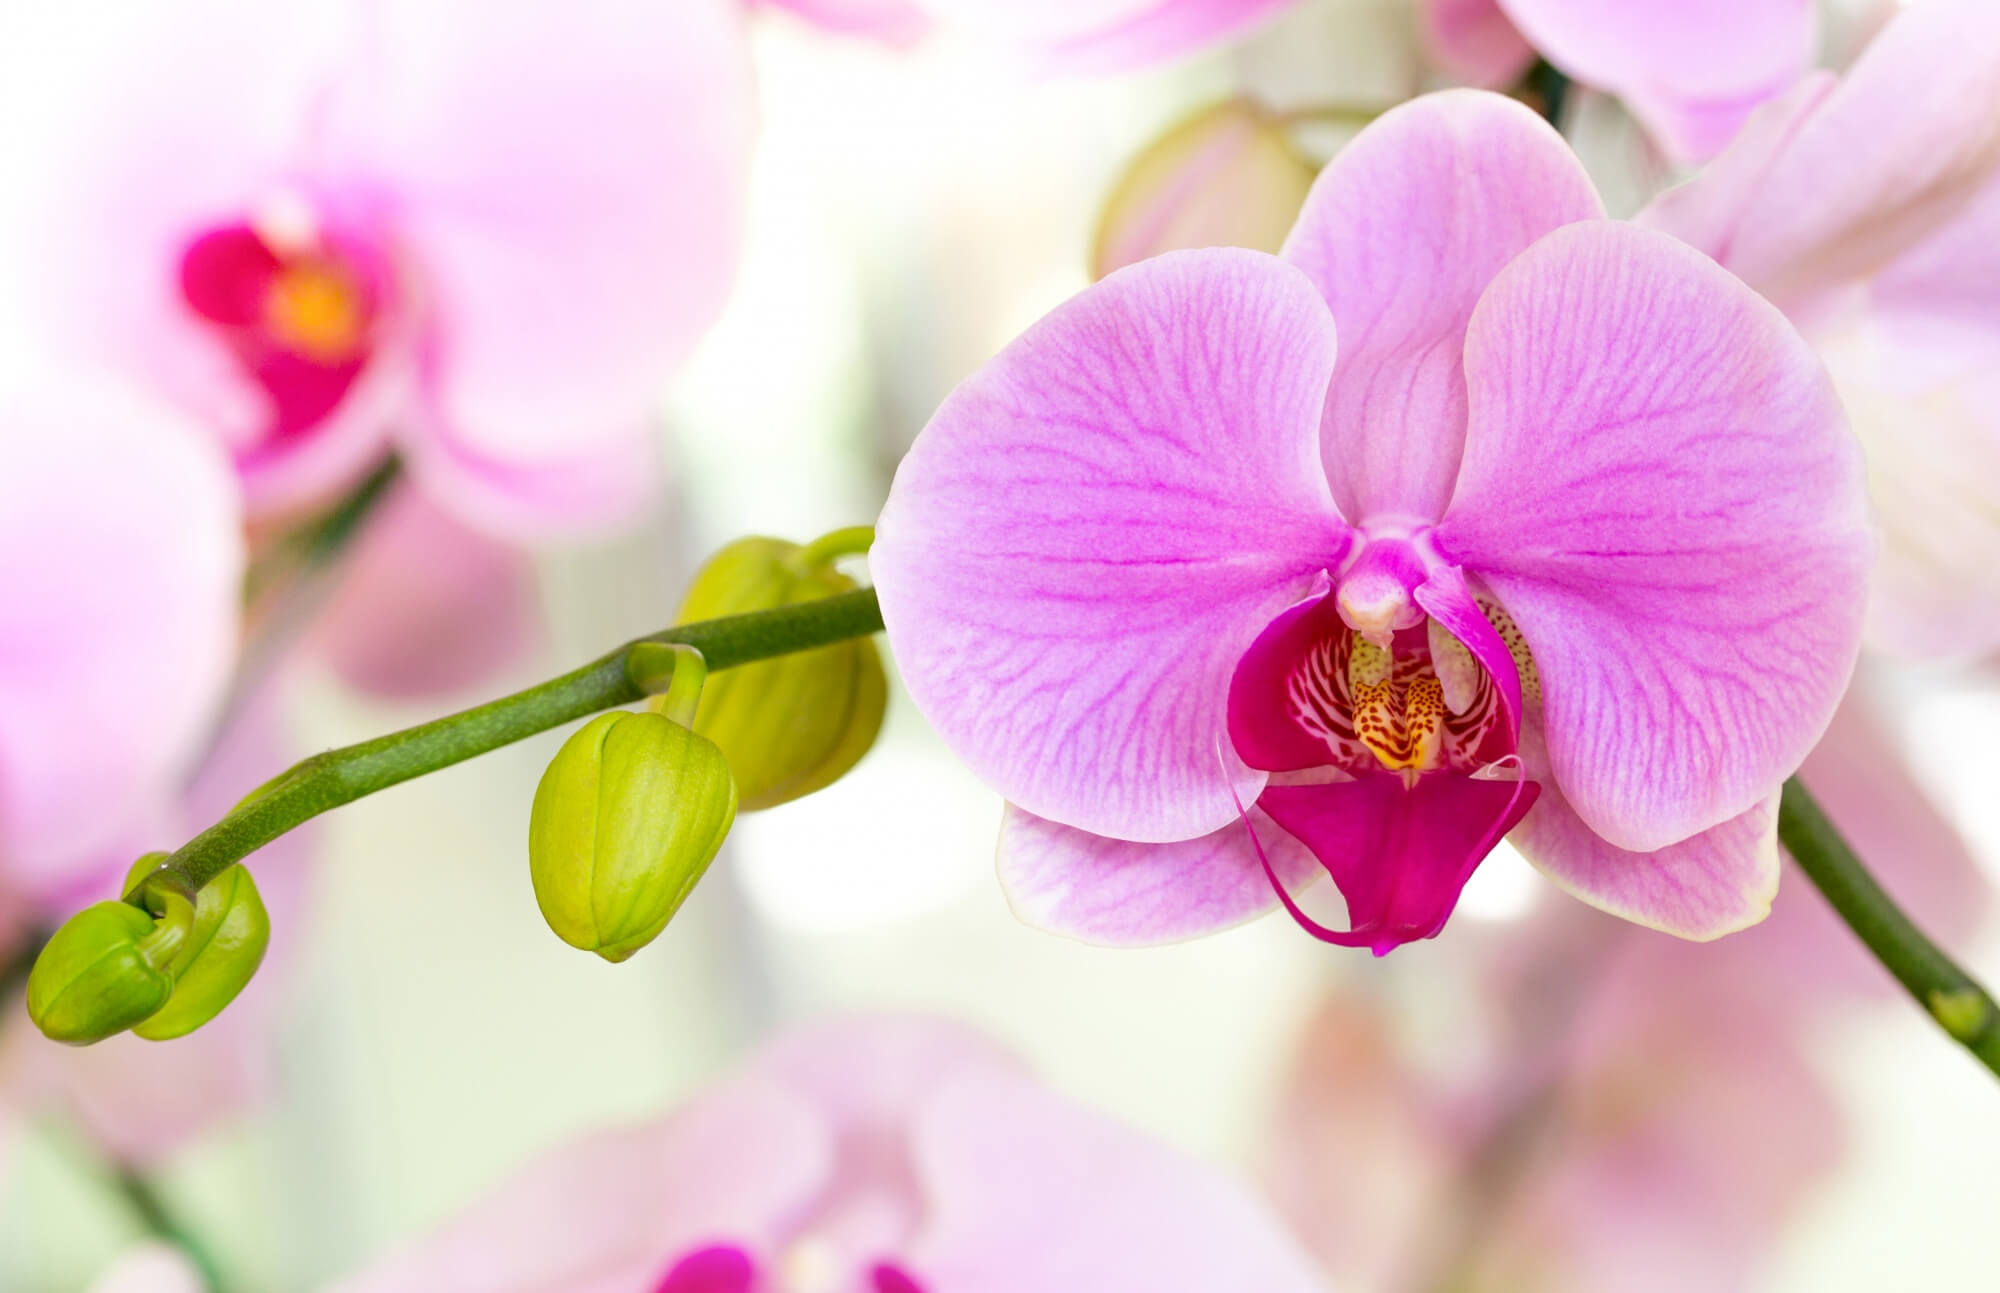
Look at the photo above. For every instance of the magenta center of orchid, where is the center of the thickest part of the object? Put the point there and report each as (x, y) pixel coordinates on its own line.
(1392, 754)
(729, 1268)
(299, 316)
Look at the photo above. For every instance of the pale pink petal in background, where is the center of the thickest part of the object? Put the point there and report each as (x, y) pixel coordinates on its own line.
(1910, 134)
(569, 183)
(120, 560)
(1029, 1191)
(1474, 43)
(899, 23)
(613, 1210)
(1691, 70)
(1168, 30)
(425, 605)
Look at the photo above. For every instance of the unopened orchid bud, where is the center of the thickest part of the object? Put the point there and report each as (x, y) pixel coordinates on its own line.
(627, 818)
(797, 723)
(1229, 176)
(103, 971)
(224, 946)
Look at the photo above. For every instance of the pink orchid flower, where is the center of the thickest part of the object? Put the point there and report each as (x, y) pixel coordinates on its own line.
(121, 555)
(1691, 70)
(1869, 210)
(484, 232)
(1571, 543)
(867, 1155)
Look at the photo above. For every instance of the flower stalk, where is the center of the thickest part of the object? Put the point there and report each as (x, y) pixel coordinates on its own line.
(1954, 999)
(341, 776)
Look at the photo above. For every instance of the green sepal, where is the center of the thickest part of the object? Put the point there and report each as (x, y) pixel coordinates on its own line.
(797, 723)
(626, 820)
(225, 944)
(102, 972)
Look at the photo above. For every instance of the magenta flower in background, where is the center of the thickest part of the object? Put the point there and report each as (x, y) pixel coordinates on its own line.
(121, 555)
(1869, 210)
(487, 233)
(866, 1155)
(1571, 540)
(1690, 70)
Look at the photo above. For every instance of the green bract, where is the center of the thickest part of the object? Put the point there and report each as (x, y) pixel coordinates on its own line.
(629, 814)
(224, 946)
(102, 972)
(795, 724)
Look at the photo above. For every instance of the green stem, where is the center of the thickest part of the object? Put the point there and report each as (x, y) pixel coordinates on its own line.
(153, 1214)
(1957, 1001)
(342, 776)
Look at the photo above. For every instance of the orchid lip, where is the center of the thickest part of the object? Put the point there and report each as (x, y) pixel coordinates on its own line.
(1395, 763)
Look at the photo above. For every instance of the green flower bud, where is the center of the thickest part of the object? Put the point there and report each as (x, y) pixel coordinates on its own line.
(104, 971)
(797, 723)
(627, 818)
(224, 946)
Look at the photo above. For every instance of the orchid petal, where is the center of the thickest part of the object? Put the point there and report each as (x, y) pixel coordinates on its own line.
(1167, 30)
(1712, 883)
(1028, 1191)
(1934, 480)
(898, 23)
(615, 1209)
(1691, 70)
(1103, 35)
(570, 182)
(1660, 488)
(425, 605)
(864, 1073)
(1093, 527)
(1912, 131)
(1115, 893)
(1474, 42)
(1401, 234)
(120, 559)
(605, 486)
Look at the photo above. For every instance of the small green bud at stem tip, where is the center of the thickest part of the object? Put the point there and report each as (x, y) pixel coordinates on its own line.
(94, 978)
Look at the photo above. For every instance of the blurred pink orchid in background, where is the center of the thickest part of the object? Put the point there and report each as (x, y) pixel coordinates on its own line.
(121, 556)
(1869, 210)
(487, 234)
(1653, 1139)
(1162, 557)
(1691, 70)
(866, 1155)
